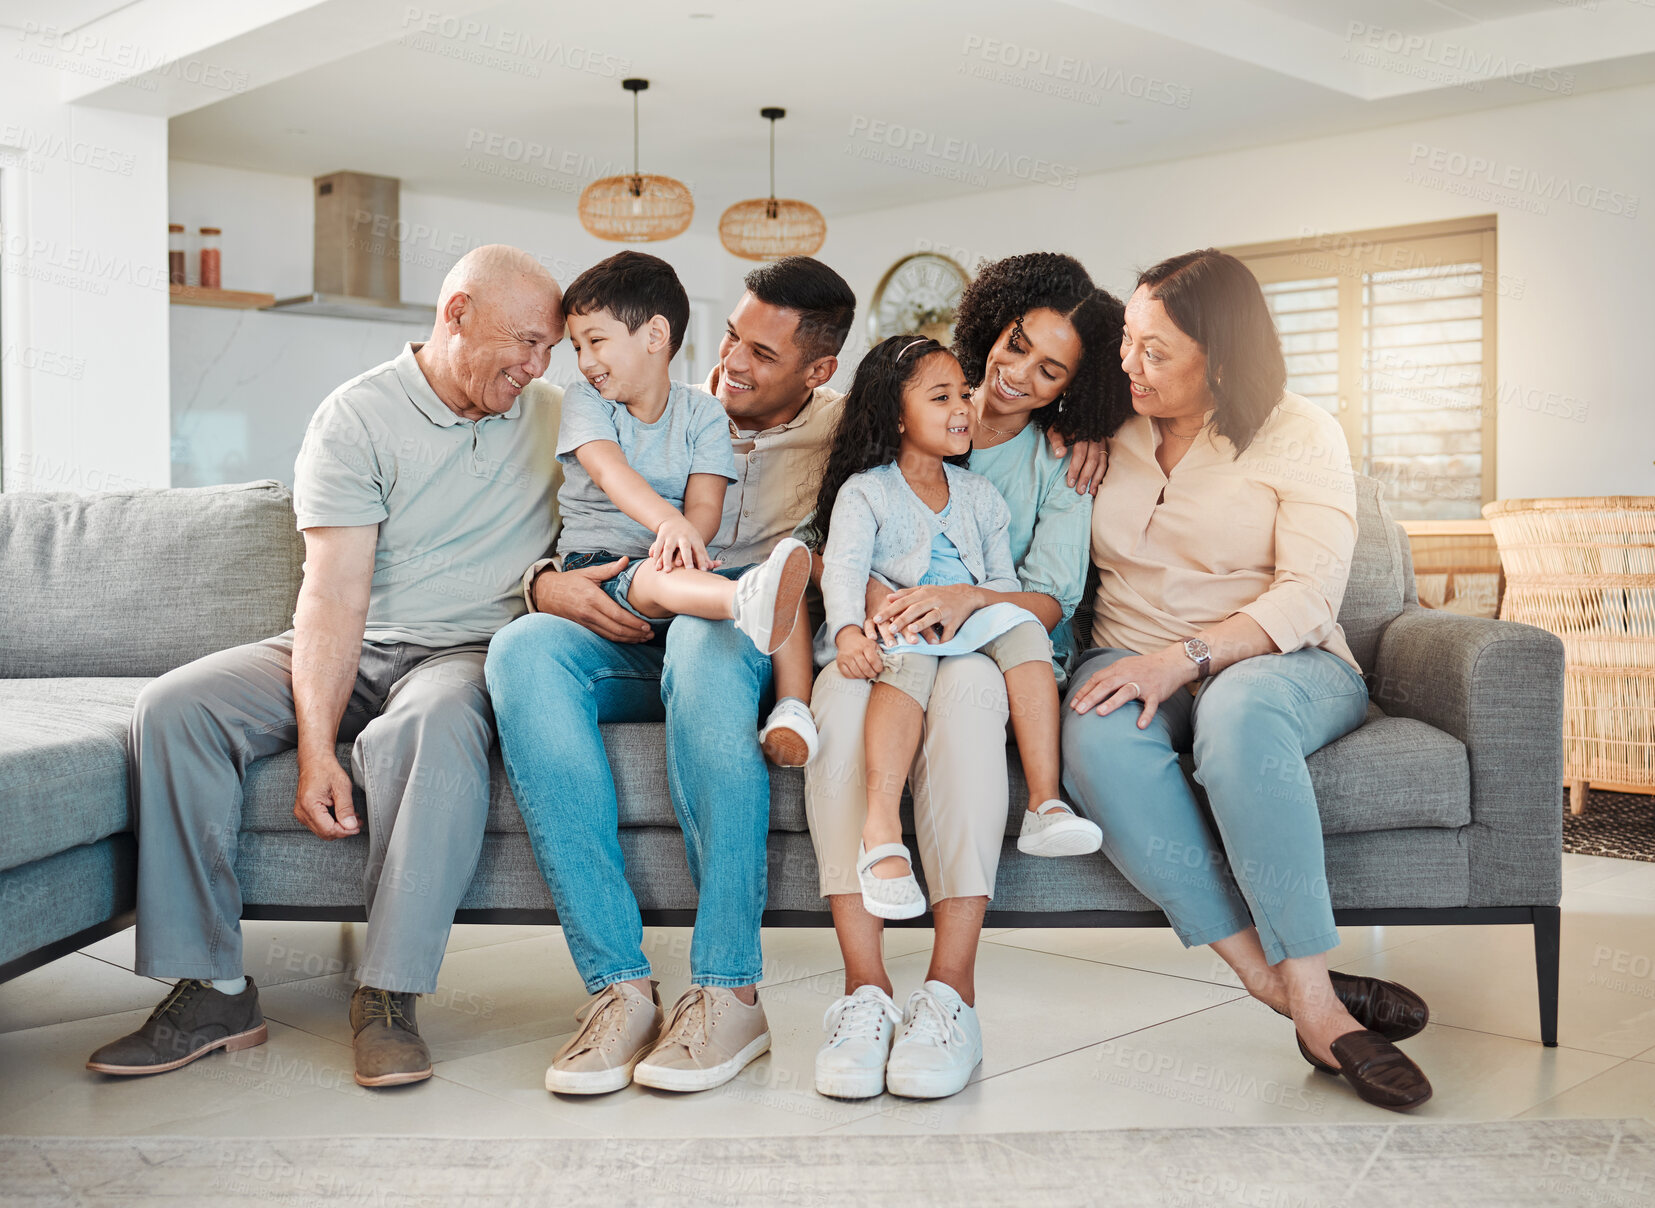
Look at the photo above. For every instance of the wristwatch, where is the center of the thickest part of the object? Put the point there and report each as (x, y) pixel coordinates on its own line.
(1201, 655)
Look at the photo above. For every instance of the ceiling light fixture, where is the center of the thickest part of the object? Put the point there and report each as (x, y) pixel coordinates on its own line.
(636, 208)
(768, 228)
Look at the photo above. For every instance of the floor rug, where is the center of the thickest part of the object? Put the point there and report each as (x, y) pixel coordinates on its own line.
(1510, 1164)
(1614, 824)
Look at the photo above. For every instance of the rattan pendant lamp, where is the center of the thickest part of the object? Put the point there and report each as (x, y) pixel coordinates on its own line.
(638, 208)
(768, 228)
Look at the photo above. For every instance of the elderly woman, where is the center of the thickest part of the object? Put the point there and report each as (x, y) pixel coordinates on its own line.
(1036, 339)
(1223, 535)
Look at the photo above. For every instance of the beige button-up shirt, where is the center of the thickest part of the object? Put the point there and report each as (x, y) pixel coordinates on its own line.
(778, 473)
(1269, 533)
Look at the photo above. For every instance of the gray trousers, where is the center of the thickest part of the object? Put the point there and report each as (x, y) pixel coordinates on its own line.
(421, 724)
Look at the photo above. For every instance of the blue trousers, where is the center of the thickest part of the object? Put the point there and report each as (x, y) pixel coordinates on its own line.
(553, 682)
(1249, 728)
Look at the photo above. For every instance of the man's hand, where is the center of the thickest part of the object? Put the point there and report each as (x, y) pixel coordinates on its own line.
(678, 543)
(323, 802)
(575, 595)
(859, 656)
(1086, 466)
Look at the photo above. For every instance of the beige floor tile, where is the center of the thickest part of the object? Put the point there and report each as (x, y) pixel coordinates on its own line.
(1627, 1089)
(488, 997)
(1483, 978)
(481, 935)
(1581, 871)
(1632, 879)
(1157, 949)
(73, 987)
(1236, 1064)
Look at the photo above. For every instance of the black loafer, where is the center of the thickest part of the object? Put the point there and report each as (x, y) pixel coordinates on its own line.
(1392, 1010)
(1379, 1072)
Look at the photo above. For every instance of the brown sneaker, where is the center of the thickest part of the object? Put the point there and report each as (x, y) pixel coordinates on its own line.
(386, 1040)
(618, 1026)
(709, 1038)
(190, 1022)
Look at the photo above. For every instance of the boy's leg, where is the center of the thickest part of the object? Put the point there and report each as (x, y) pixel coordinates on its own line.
(789, 735)
(681, 592)
(795, 669)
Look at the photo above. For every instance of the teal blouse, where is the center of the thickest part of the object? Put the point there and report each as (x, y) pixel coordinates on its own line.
(1051, 526)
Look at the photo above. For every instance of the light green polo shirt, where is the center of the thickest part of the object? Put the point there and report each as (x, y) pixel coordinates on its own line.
(462, 505)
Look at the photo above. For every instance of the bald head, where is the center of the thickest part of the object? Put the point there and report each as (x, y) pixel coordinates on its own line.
(498, 315)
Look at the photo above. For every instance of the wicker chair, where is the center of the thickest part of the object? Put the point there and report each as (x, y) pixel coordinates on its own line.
(1585, 570)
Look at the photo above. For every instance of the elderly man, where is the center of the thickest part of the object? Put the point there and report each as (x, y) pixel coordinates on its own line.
(581, 660)
(422, 488)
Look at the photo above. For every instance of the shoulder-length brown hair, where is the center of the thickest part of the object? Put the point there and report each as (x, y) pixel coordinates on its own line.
(1216, 301)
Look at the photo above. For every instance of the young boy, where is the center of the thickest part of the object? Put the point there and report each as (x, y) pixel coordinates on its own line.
(646, 463)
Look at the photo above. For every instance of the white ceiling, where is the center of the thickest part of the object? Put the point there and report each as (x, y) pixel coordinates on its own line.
(428, 106)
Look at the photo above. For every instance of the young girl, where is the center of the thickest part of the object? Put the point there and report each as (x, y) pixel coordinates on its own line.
(902, 506)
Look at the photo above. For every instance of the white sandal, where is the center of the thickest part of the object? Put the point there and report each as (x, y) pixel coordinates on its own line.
(1055, 830)
(888, 897)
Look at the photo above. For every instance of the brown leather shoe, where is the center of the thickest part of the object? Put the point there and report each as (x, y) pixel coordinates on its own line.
(1392, 1010)
(386, 1040)
(1377, 1070)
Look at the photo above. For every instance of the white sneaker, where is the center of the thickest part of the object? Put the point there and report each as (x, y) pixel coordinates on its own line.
(767, 597)
(1055, 830)
(860, 1028)
(888, 897)
(940, 1044)
(789, 736)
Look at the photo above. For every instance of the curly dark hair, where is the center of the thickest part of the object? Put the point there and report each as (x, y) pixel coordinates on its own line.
(1216, 301)
(1097, 399)
(866, 435)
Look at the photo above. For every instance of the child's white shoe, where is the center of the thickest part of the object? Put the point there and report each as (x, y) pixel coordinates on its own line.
(789, 736)
(888, 897)
(1054, 830)
(860, 1028)
(767, 597)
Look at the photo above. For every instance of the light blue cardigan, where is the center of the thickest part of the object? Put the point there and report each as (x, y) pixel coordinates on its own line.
(881, 527)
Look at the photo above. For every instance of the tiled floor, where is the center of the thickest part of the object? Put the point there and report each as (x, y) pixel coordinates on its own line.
(1083, 1029)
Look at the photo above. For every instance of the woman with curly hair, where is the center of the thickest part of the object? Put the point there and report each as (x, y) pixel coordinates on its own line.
(1037, 342)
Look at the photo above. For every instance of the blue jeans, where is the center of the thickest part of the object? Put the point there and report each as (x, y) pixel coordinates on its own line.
(1250, 728)
(553, 682)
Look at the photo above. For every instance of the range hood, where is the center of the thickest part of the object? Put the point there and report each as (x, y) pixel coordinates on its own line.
(357, 267)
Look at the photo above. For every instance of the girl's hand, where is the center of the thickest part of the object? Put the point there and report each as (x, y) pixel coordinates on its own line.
(859, 656)
(913, 610)
(1149, 678)
(873, 601)
(1087, 466)
(678, 543)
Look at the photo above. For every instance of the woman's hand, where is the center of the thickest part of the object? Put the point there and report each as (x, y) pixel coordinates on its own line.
(1149, 678)
(1087, 465)
(678, 543)
(873, 602)
(859, 656)
(914, 610)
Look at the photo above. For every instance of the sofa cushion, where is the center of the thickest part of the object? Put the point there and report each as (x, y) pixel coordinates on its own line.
(1381, 581)
(62, 764)
(637, 759)
(1391, 773)
(139, 582)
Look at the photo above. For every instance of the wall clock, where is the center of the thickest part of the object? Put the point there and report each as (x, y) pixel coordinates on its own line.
(918, 293)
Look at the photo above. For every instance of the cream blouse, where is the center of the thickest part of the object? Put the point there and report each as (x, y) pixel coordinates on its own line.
(1269, 533)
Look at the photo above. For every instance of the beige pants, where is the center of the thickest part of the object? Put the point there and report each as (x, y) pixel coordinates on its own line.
(961, 797)
(915, 675)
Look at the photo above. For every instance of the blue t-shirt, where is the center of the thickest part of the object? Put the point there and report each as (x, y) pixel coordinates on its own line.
(691, 437)
(946, 565)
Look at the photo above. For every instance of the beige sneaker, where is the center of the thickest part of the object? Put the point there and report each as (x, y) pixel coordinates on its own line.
(709, 1038)
(618, 1027)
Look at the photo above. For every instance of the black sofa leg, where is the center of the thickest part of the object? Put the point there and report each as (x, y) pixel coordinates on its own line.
(1548, 939)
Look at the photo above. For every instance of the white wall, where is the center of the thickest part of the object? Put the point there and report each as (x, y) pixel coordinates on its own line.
(83, 290)
(244, 383)
(1575, 321)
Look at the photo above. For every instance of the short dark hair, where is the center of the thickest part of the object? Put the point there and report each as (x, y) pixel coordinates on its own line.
(1216, 301)
(634, 287)
(1098, 398)
(826, 305)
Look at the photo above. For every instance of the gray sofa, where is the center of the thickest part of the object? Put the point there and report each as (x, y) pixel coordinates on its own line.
(1443, 807)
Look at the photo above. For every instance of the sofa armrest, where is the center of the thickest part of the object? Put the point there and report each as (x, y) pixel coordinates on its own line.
(1497, 686)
